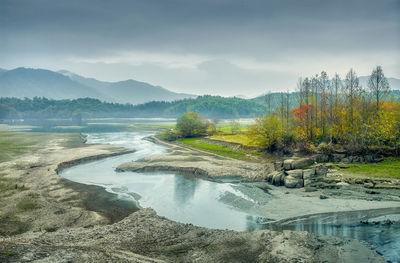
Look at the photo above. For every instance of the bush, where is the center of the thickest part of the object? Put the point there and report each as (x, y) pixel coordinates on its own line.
(191, 124)
(267, 132)
(170, 135)
(325, 148)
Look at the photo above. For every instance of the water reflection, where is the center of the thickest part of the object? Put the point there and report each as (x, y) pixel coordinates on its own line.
(184, 189)
(381, 235)
(192, 200)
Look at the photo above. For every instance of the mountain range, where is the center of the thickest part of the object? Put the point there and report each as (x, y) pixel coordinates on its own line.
(28, 82)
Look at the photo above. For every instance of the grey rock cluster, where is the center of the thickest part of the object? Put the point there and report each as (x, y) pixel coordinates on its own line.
(297, 173)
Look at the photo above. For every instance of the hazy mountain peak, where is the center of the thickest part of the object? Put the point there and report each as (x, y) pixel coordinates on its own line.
(28, 82)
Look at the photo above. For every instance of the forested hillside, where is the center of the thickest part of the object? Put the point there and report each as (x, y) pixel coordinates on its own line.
(208, 106)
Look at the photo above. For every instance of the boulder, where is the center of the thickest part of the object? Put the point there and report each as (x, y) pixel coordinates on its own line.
(337, 157)
(301, 163)
(343, 165)
(342, 184)
(308, 173)
(346, 160)
(295, 173)
(368, 158)
(292, 182)
(322, 158)
(269, 177)
(287, 164)
(321, 170)
(278, 178)
(308, 176)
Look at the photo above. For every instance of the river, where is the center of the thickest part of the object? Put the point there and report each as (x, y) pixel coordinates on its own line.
(191, 200)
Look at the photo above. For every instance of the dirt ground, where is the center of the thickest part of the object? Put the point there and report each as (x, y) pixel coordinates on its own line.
(48, 219)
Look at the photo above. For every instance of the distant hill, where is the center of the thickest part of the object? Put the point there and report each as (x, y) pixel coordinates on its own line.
(128, 91)
(27, 82)
(208, 106)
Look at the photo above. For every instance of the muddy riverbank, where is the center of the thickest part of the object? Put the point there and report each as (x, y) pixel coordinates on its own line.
(66, 225)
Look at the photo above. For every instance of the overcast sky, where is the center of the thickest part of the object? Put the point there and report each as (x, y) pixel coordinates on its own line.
(202, 46)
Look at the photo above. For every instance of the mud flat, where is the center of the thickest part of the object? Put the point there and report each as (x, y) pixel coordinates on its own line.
(74, 222)
(280, 203)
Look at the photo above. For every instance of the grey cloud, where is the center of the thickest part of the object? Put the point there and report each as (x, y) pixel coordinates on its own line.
(265, 31)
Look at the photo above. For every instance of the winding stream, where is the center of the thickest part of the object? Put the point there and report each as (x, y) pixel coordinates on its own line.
(200, 202)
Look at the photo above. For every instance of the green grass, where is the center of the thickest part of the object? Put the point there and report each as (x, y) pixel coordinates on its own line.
(240, 138)
(390, 167)
(214, 148)
(227, 128)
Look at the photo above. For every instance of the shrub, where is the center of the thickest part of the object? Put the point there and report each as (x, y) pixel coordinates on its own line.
(325, 148)
(267, 132)
(191, 124)
(169, 135)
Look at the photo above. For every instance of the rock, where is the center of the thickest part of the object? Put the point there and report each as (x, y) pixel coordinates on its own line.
(371, 192)
(368, 158)
(346, 160)
(308, 173)
(378, 158)
(292, 182)
(322, 158)
(277, 178)
(342, 184)
(329, 165)
(337, 157)
(298, 174)
(323, 197)
(301, 163)
(321, 170)
(308, 189)
(343, 165)
(269, 177)
(368, 185)
(287, 164)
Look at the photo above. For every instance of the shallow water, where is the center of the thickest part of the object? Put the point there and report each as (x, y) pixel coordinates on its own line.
(180, 198)
(201, 202)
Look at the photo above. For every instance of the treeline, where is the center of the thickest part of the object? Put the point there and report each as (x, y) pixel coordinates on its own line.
(208, 106)
(335, 111)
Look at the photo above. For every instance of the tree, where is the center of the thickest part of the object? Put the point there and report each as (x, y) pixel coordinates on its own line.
(267, 132)
(235, 126)
(191, 124)
(378, 86)
(353, 90)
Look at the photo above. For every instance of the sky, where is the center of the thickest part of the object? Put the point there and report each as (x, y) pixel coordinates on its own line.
(218, 47)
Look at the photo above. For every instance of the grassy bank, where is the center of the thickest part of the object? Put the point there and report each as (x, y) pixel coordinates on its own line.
(240, 138)
(215, 148)
(390, 168)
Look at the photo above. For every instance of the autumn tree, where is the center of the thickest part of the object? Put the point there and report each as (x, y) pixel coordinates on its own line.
(378, 86)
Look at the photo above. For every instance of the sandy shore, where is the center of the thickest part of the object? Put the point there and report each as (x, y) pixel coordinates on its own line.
(70, 225)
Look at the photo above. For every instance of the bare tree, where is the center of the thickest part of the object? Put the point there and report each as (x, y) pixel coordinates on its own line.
(268, 101)
(378, 86)
(353, 90)
(323, 90)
